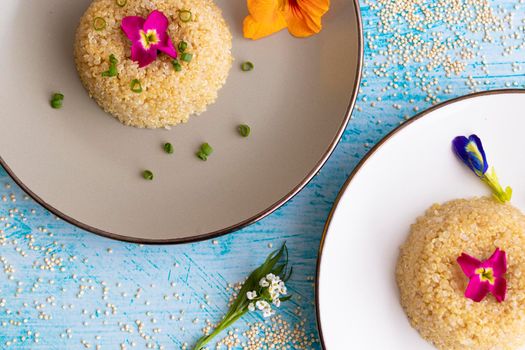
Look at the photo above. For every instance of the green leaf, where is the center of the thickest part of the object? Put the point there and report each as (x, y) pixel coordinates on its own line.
(287, 277)
(286, 298)
(279, 269)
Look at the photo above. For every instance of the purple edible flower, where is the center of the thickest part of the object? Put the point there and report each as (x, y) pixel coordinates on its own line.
(148, 36)
(485, 276)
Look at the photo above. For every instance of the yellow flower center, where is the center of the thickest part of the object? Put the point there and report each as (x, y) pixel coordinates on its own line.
(473, 149)
(149, 38)
(485, 274)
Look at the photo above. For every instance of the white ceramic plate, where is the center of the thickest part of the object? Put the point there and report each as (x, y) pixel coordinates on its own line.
(412, 168)
(86, 167)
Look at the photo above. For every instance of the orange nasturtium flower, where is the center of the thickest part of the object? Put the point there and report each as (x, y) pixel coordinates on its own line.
(301, 17)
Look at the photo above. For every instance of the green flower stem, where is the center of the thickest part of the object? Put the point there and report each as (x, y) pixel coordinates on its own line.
(491, 179)
(225, 323)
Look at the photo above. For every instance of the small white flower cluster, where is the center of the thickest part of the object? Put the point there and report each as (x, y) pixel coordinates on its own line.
(276, 288)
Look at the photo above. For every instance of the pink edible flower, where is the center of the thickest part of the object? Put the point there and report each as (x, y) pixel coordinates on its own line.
(148, 36)
(485, 276)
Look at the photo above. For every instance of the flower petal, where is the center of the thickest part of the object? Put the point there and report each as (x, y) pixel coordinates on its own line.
(315, 7)
(478, 157)
(263, 282)
(167, 47)
(468, 264)
(304, 16)
(264, 10)
(499, 289)
(498, 262)
(253, 29)
(470, 151)
(158, 21)
(131, 26)
(302, 25)
(476, 289)
(143, 57)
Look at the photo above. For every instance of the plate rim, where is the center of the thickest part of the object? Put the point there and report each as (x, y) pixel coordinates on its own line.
(364, 160)
(258, 216)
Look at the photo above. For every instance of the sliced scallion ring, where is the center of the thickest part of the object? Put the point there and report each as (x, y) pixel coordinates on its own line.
(186, 57)
(185, 16)
(244, 130)
(136, 86)
(176, 65)
(147, 174)
(247, 66)
(99, 23)
(182, 46)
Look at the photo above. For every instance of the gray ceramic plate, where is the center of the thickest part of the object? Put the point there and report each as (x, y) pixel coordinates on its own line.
(84, 166)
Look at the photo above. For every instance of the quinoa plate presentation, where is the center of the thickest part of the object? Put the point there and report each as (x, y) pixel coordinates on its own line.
(153, 63)
(459, 272)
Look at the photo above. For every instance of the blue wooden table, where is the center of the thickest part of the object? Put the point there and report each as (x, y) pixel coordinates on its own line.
(63, 288)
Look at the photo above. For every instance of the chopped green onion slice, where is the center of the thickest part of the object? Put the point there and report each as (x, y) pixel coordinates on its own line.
(113, 59)
(182, 46)
(244, 130)
(176, 65)
(99, 23)
(202, 156)
(122, 3)
(147, 174)
(205, 151)
(186, 57)
(185, 15)
(112, 71)
(136, 86)
(247, 66)
(56, 100)
(168, 148)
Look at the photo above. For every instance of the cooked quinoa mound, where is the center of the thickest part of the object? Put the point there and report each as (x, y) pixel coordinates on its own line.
(432, 285)
(168, 97)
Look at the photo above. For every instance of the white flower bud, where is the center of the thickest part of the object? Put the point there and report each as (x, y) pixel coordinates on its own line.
(262, 305)
(264, 283)
(251, 307)
(270, 277)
